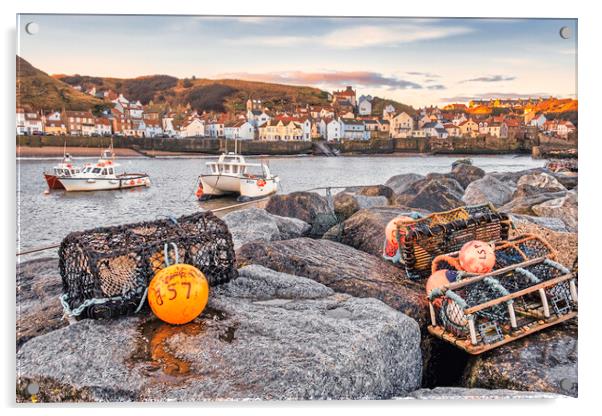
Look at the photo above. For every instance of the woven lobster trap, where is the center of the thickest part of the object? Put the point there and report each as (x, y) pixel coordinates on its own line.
(106, 271)
(526, 292)
(423, 239)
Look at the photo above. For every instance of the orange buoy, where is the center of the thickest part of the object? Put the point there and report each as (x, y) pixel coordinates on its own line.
(439, 279)
(177, 294)
(199, 191)
(391, 234)
(477, 257)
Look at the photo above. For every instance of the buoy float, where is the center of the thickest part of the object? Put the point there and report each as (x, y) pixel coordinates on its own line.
(439, 279)
(477, 257)
(391, 234)
(177, 294)
(261, 183)
(199, 191)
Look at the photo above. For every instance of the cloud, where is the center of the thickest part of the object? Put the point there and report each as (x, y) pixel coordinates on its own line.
(362, 78)
(361, 36)
(423, 74)
(490, 78)
(436, 87)
(490, 95)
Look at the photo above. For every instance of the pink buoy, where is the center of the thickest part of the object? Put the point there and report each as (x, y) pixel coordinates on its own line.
(439, 279)
(391, 234)
(477, 257)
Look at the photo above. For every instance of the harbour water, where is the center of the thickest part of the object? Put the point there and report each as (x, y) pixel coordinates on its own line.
(46, 218)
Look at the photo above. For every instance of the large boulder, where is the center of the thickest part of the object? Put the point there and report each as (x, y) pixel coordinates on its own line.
(39, 310)
(537, 183)
(543, 362)
(399, 183)
(258, 224)
(266, 335)
(434, 193)
(365, 230)
(346, 204)
(564, 208)
(341, 268)
(565, 243)
(372, 190)
(465, 173)
(511, 178)
(553, 224)
(305, 206)
(523, 205)
(487, 189)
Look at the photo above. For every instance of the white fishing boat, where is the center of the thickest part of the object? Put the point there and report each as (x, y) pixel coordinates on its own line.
(231, 174)
(103, 175)
(64, 168)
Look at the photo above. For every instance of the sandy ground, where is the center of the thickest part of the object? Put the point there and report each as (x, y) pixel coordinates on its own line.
(57, 151)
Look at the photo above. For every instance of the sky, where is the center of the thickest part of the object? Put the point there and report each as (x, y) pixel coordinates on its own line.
(418, 61)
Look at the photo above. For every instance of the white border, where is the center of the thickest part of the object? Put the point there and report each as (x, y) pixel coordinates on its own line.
(590, 158)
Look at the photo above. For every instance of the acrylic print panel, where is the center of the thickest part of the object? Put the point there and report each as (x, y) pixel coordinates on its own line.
(229, 207)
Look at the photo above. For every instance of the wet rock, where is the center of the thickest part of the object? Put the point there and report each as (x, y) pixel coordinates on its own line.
(365, 230)
(266, 336)
(511, 178)
(258, 224)
(455, 393)
(347, 204)
(523, 205)
(465, 174)
(305, 206)
(374, 190)
(434, 193)
(341, 268)
(463, 161)
(39, 310)
(564, 208)
(399, 183)
(487, 189)
(568, 180)
(565, 243)
(537, 183)
(544, 362)
(554, 224)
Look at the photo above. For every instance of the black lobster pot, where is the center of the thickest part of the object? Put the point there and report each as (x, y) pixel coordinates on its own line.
(105, 271)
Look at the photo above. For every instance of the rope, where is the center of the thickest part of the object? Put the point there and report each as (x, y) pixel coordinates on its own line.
(166, 253)
(534, 279)
(556, 265)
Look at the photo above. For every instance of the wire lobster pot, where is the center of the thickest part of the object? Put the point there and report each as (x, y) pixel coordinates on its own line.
(526, 292)
(106, 271)
(420, 241)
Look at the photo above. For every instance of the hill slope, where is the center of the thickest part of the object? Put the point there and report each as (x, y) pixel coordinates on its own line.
(36, 90)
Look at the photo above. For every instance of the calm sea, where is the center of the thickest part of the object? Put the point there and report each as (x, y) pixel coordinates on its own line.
(45, 218)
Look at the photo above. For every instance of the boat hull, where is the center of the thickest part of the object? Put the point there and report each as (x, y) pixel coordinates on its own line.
(53, 181)
(246, 188)
(104, 184)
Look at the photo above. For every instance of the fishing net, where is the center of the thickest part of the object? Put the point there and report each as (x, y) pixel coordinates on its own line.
(105, 271)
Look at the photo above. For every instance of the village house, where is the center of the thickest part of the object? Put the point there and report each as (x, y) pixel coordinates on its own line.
(353, 130)
(422, 120)
(55, 128)
(258, 117)
(281, 130)
(153, 128)
(102, 126)
(452, 130)
(435, 129)
(565, 128)
(372, 127)
(167, 125)
(388, 112)
(239, 129)
(346, 114)
(53, 116)
(401, 126)
(499, 130)
(79, 123)
(29, 122)
(214, 129)
(537, 120)
(193, 127)
(459, 119)
(346, 95)
(469, 128)
(384, 126)
(364, 107)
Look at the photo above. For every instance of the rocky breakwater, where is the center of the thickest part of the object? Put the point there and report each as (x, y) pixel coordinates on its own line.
(265, 335)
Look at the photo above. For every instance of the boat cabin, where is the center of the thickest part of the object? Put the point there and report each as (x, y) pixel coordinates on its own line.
(235, 165)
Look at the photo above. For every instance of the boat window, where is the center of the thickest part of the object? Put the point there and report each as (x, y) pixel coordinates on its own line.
(104, 171)
(96, 170)
(67, 172)
(111, 171)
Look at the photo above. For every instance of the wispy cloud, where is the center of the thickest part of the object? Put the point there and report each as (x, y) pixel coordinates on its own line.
(361, 78)
(423, 74)
(436, 87)
(490, 95)
(362, 36)
(490, 78)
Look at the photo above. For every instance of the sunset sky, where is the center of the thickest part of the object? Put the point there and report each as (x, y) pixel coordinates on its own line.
(415, 61)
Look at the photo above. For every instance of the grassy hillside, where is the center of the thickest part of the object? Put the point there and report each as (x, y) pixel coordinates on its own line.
(202, 94)
(378, 104)
(36, 90)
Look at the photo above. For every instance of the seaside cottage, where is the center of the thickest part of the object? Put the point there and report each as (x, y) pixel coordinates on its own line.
(282, 129)
(79, 123)
(401, 125)
(153, 128)
(364, 107)
(55, 128)
(469, 128)
(102, 126)
(28, 122)
(452, 129)
(354, 130)
(194, 127)
(239, 129)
